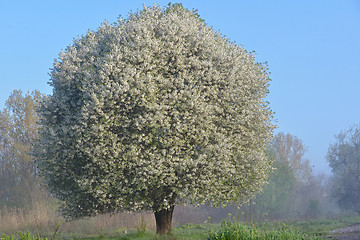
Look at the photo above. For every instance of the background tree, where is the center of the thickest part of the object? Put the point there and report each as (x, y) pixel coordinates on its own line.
(290, 150)
(287, 193)
(18, 131)
(344, 159)
(275, 200)
(154, 111)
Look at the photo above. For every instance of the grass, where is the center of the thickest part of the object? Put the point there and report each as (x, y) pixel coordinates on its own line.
(236, 231)
(21, 236)
(231, 229)
(228, 229)
(185, 232)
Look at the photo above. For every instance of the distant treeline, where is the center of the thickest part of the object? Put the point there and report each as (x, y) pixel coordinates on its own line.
(293, 190)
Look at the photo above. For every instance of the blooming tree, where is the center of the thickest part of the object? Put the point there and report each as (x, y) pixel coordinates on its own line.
(153, 111)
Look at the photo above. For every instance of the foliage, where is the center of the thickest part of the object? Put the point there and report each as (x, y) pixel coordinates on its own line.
(18, 131)
(344, 159)
(290, 150)
(293, 190)
(291, 171)
(141, 229)
(313, 206)
(152, 111)
(276, 198)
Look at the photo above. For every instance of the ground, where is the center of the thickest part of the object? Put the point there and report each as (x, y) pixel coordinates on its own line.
(346, 233)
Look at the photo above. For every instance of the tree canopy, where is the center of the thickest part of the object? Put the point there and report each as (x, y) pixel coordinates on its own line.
(290, 150)
(155, 110)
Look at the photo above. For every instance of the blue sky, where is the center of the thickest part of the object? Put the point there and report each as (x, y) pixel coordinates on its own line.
(312, 49)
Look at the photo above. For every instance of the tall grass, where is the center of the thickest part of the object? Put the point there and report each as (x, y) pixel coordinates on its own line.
(42, 218)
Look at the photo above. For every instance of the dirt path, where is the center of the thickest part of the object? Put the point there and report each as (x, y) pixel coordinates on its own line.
(346, 233)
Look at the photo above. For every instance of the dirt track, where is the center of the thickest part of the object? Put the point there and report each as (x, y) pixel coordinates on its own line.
(346, 233)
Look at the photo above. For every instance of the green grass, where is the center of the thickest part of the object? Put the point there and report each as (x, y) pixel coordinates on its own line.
(185, 232)
(228, 229)
(231, 230)
(21, 236)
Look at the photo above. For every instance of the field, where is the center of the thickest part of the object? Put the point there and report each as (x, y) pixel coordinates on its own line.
(229, 228)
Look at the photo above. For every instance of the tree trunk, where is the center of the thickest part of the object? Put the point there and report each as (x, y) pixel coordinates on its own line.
(163, 220)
